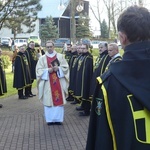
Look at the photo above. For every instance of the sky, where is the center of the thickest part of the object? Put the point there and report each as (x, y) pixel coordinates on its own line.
(94, 23)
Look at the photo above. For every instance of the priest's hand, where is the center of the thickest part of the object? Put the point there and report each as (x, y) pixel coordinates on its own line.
(50, 70)
(55, 68)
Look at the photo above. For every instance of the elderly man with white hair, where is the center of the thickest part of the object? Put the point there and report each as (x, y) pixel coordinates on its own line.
(113, 52)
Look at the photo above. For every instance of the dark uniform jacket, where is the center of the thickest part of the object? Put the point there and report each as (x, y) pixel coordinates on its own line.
(32, 59)
(3, 86)
(99, 68)
(68, 56)
(120, 116)
(117, 58)
(83, 76)
(72, 85)
(22, 76)
(72, 72)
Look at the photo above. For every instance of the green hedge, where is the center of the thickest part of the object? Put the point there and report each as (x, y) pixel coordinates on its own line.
(6, 61)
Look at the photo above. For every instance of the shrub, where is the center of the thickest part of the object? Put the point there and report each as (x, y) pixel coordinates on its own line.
(6, 61)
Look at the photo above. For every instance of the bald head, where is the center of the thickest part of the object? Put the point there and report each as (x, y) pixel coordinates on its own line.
(113, 49)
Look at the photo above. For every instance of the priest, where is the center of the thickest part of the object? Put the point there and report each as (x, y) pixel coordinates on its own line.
(52, 73)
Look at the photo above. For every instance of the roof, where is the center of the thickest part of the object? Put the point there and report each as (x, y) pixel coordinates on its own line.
(50, 8)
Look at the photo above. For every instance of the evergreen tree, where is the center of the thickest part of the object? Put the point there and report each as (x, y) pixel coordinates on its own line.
(23, 15)
(48, 30)
(83, 28)
(104, 29)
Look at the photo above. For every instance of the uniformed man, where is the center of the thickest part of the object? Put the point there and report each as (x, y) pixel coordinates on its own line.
(83, 80)
(68, 53)
(31, 54)
(120, 116)
(100, 65)
(3, 85)
(72, 73)
(113, 52)
(22, 74)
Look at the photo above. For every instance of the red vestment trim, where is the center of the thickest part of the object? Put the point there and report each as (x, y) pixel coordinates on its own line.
(55, 84)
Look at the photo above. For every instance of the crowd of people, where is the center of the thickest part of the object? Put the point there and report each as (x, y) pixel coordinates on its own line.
(112, 90)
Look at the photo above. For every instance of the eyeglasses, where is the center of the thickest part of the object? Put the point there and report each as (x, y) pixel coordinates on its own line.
(49, 46)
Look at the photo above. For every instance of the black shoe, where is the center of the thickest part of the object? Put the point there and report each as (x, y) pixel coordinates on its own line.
(32, 94)
(83, 114)
(69, 99)
(29, 95)
(79, 108)
(23, 97)
(1, 105)
(74, 102)
(58, 123)
(50, 123)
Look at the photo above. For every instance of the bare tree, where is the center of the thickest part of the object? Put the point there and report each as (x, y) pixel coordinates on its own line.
(97, 13)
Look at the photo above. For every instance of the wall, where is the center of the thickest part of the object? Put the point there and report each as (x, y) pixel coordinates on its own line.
(5, 32)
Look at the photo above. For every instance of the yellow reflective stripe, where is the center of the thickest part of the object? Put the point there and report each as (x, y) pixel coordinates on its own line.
(108, 113)
(102, 68)
(141, 114)
(99, 80)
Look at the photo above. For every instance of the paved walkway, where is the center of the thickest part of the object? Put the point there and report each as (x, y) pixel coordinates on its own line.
(22, 127)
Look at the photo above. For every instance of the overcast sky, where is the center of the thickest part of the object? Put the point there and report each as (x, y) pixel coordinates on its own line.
(94, 23)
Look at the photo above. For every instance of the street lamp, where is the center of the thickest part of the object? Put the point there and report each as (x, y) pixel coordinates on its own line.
(61, 6)
(73, 8)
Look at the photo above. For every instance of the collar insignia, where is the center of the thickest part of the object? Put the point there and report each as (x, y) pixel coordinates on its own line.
(99, 106)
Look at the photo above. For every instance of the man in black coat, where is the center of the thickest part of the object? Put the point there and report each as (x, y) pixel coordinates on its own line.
(83, 80)
(113, 52)
(3, 85)
(72, 73)
(31, 54)
(120, 116)
(22, 75)
(100, 65)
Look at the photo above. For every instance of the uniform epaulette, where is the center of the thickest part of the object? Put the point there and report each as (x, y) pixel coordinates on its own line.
(104, 77)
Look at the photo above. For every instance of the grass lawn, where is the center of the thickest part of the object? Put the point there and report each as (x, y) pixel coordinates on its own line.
(9, 79)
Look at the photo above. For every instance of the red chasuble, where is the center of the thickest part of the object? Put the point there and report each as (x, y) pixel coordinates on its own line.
(54, 83)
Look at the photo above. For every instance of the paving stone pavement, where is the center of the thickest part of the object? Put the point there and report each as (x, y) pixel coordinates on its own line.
(22, 127)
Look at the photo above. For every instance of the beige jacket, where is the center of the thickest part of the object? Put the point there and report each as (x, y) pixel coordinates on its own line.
(44, 89)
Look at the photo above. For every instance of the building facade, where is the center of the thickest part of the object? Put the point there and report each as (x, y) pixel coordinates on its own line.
(62, 18)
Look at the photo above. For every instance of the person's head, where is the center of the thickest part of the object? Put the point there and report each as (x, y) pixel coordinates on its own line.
(16, 49)
(22, 49)
(102, 47)
(74, 48)
(133, 25)
(84, 48)
(79, 50)
(50, 46)
(69, 47)
(113, 49)
(32, 44)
